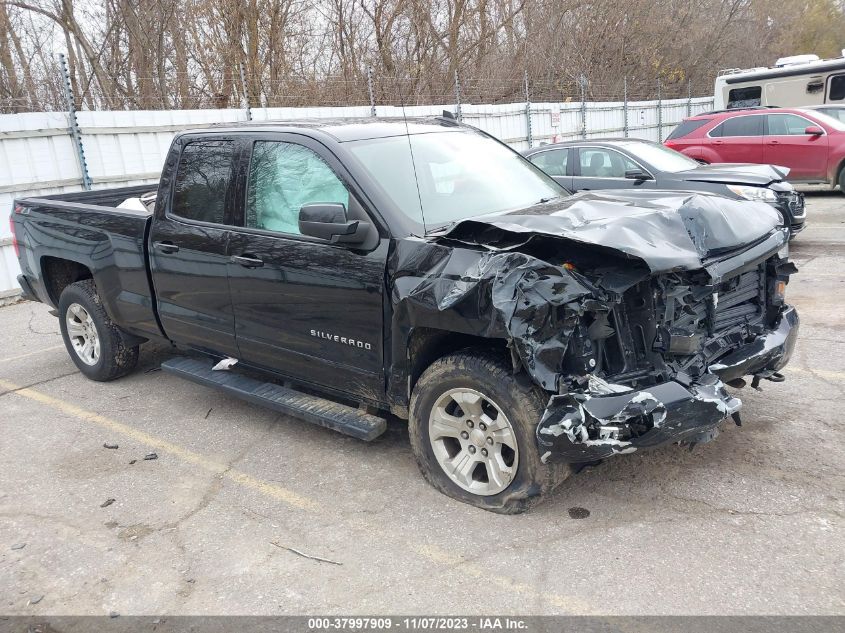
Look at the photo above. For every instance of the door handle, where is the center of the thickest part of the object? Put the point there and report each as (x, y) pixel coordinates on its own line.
(166, 248)
(773, 142)
(248, 261)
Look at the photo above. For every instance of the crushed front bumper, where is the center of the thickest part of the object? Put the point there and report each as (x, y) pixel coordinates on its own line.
(593, 425)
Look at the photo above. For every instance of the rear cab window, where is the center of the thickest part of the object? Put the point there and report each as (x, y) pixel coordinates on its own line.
(203, 179)
(687, 127)
(751, 125)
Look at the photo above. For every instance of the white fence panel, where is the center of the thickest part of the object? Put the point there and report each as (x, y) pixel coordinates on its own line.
(38, 156)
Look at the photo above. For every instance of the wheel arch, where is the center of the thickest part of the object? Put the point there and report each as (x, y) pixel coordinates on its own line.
(425, 345)
(57, 273)
(701, 154)
(837, 172)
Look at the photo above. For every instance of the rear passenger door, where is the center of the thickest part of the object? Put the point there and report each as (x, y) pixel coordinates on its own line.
(188, 243)
(556, 163)
(304, 307)
(739, 139)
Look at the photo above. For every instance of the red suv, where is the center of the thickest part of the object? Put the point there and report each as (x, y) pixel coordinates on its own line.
(810, 143)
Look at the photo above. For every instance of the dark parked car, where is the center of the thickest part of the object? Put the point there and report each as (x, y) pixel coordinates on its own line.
(425, 269)
(641, 165)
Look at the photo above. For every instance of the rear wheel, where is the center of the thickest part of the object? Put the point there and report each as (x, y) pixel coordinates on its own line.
(92, 339)
(472, 427)
(842, 180)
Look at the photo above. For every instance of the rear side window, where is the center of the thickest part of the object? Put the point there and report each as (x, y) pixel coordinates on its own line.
(837, 88)
(552, 161)
(747, 97)
(687, 127)
(282, 178)
(739, 126)
(202, 180)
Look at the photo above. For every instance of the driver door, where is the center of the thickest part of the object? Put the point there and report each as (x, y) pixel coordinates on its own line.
(304, 307)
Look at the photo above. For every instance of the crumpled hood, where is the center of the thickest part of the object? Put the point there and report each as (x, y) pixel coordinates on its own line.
(666, 230)
(735, 173)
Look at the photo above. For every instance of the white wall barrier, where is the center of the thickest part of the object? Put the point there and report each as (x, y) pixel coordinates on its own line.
(38, 155)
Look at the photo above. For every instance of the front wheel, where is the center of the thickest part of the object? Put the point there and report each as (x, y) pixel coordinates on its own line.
(472, 426)
(93, 341)
(842, 180)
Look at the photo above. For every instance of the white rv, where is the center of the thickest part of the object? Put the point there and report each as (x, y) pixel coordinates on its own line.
(800, 80)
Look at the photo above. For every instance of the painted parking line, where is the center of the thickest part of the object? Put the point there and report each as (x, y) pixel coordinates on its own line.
(27, 355)
(431, 553)
(818, 373)
(219, 468)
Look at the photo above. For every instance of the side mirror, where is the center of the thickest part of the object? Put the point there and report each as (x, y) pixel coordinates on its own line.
(813, 130)
(637, 174)
(328, 221)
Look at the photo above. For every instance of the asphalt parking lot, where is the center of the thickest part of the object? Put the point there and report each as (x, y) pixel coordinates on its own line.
(751, 523)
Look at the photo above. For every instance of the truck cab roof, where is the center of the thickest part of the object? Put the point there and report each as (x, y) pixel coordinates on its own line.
(343, 130)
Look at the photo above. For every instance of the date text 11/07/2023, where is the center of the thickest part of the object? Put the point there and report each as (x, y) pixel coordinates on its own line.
(418, 623)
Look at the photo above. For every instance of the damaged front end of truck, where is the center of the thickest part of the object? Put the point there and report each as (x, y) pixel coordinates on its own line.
(632, 312)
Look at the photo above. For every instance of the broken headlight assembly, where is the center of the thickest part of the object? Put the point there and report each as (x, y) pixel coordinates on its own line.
(778, 291)
(761, 194)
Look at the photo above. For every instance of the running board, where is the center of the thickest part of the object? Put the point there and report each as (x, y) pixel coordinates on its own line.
(332, 415)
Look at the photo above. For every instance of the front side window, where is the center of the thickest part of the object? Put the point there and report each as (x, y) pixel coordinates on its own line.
(552, 161)
(604, 163)
(747, 97)
(282, 178)
(740, 126)
(837, 88)
(787, 125)
(202, 180)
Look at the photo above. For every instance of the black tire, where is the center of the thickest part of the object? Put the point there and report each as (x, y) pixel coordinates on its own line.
(491, 375)
(116, 358)
(842, 180)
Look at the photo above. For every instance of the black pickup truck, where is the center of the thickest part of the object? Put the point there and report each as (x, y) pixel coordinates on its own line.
(422, 268)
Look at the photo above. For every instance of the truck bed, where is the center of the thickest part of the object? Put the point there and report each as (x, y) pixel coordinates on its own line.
(66, 231)
(100, 198)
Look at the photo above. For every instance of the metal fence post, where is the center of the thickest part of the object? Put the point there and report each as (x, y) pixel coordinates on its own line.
(689, 97)
(370, 91)
(245, 94)
(625, 107)
(583, 81)
(458, 114)
(73, 124)
(528, 113)
(659, 113)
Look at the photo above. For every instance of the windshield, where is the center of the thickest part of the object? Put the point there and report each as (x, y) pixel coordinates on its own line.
(829, 120)
(459, 174)
(661, 158)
